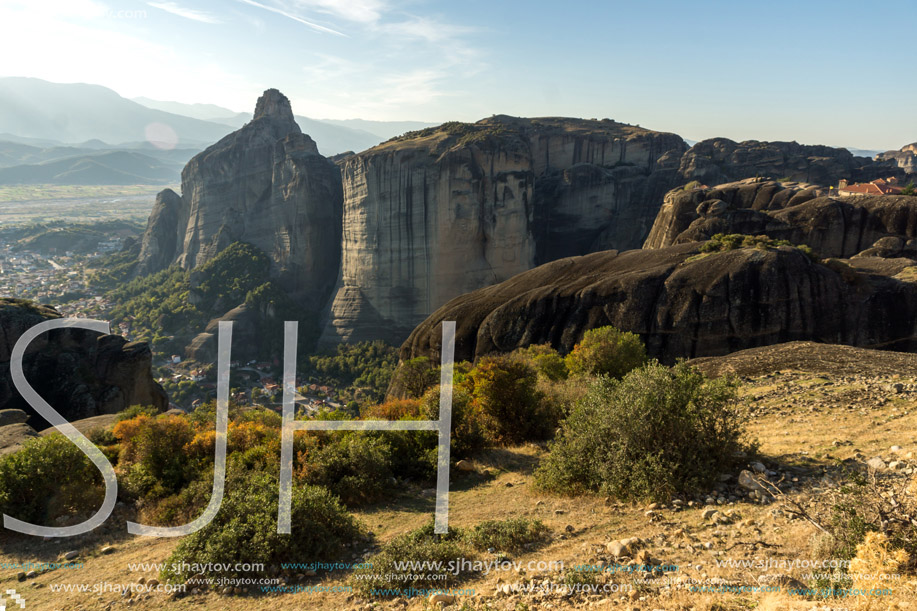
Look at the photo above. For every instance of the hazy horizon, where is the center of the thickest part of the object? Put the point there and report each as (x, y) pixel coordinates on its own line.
(782, 72)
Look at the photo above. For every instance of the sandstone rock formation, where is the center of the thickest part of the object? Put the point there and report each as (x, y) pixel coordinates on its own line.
(801, 213)
(447, 210)
(682, 303)
(164, 234)
(906, 158)
(721, 160)
(265, 184)
(12, 436)
(78, 372)
(379, 239)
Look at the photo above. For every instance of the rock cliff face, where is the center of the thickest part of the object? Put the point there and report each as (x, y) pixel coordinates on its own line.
(78, 372)
(162, 240)
(721, 160)
(379, 239)
(906, 158)
(803, 214)
(447, 210)
(682, 304)
(265, 184)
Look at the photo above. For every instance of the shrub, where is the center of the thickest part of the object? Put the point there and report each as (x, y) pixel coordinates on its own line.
(862, 505)
(546, 360)
(47, 478)
(414, 376)
(657, 432)
(504, 389)
(356, 467)
(417, 546)
(262, 416)
(153, 450)
(877, 557)
(136, 410)
(393, 410)
(245, 529)
(102, 437)
(469, 433)
(179, 508)
(512, 535)
(606, 351)
(722, 242)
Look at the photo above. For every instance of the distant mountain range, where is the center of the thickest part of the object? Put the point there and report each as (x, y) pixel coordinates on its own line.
(112, 167)
(57, 132)
(74, 113)
(76, 133)
(332, 136)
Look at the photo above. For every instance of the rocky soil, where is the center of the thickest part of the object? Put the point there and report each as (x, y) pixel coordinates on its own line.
(816, 411)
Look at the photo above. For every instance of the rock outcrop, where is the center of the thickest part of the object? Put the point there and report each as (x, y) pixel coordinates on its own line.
(720, 160)
(78, 372)
(265, 184)
(165, 233)
(375, 241)
(12, 436)
(803, 214)
(446, 210)
(682, 303)
(906, 158)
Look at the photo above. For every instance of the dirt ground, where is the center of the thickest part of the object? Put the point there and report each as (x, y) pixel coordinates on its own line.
(812, 408)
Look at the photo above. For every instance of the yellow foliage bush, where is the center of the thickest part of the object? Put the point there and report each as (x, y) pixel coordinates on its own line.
(875, 557)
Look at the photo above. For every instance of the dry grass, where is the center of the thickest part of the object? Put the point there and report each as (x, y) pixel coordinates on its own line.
(799, 417)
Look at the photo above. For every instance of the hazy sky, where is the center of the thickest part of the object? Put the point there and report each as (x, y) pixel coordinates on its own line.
(827, 72)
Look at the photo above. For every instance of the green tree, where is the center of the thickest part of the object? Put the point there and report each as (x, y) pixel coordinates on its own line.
(414, 376)
(657, 432)
(504, 389)
(606, 351)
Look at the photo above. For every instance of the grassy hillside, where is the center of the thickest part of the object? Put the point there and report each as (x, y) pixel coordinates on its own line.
(816, 421)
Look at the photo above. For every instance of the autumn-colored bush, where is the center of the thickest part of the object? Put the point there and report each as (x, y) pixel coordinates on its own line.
(469, 426)
(153, 454)
(393, 410)
(355, 466)
(504, 389)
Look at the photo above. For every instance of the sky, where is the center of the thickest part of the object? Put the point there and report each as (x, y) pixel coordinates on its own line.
(819, 72)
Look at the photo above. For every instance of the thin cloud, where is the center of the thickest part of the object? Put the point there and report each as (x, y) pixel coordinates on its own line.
(427, 29)
(290, 15)
(187, 13)
(359, 11)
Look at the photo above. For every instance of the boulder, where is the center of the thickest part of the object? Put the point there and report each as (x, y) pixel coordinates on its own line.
(747, 480)
(80, 373)
(876, 463)
(682, 303)
(12, 436)
(12, 416)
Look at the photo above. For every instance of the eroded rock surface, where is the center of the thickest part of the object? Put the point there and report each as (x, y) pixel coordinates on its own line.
(801, 213)
(682, 303)
(78, 372)
(448, 210)
(265, 184)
